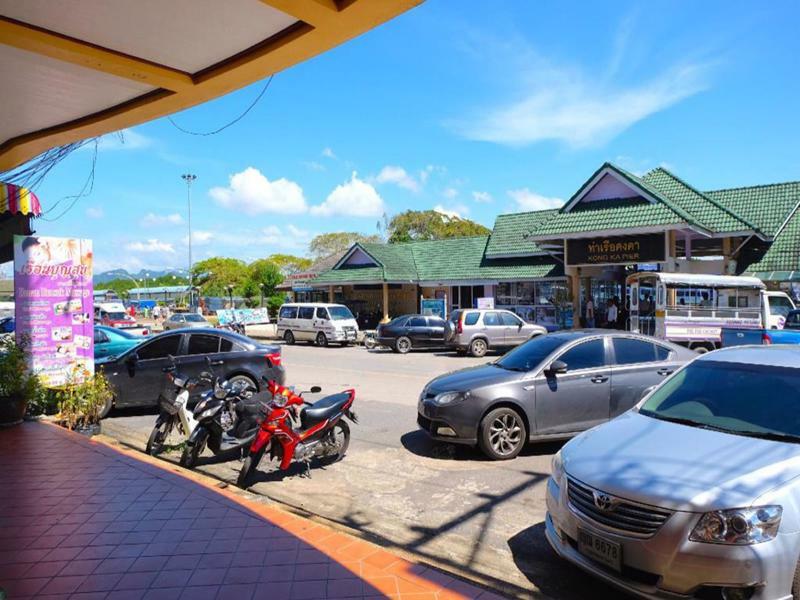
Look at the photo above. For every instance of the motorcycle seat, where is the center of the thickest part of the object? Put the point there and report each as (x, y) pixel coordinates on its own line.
(323, 409)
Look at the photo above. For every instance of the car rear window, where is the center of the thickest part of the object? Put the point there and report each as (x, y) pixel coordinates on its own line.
(471, 318)
(203, 344)
(160, 347)
(629, 351)
(417, 322)
(288, 312)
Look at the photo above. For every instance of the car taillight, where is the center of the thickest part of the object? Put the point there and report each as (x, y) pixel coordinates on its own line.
(460, 324)
(274, 358)
(766, 339)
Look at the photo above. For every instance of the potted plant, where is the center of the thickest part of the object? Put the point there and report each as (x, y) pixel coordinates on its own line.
(18, 386)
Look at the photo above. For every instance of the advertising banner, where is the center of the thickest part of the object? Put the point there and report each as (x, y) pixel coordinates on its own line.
(246, 316)
(485, 303)
(54, 306)
(435, 307)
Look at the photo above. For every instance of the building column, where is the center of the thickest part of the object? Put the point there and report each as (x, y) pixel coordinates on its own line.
(672, 239)
(727, 248)
(385, 303)
(574, 285)
(330, 294)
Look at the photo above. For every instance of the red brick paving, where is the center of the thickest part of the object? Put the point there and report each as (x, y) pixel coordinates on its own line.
(82, 520)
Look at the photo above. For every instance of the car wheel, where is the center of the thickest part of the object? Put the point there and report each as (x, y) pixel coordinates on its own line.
(502, 434)
(288, 337)
(109, 404)
(322, 339)
(796, 583)
(402, 345)
(478, 347)
(247, 380)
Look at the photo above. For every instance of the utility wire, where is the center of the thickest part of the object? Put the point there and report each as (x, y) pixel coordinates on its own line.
(236, 120)
(89, 183)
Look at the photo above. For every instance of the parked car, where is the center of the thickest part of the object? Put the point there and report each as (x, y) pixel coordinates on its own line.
(114, 314)
(696, 492)
(186, 321)
(551, 387)
(109, 341)
(477, 331)
(137, 375)
(402, 334)
(317, 323)
(790, 334)
(7, 325)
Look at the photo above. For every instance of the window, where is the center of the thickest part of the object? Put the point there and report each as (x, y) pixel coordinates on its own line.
(160, 347)
(531, 354)
(288, 312)
(509, 319)
(225, 345)
(628, 351)
(662, 353)
(417, 322)
(203, 344)
(322, 314)
(305, 312)
(437, 322)
(471, 318)
(194, 318)
(780, 305)
(341, 313)
(792, 321)
(492, 319)
(100, 337)
(586, 355)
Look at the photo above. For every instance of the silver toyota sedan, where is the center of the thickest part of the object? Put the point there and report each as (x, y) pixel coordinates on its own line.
(695, 492)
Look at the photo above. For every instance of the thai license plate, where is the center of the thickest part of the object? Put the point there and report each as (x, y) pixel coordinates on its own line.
(600, 549)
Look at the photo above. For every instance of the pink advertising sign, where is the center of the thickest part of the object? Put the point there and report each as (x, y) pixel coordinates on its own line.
(54, 306)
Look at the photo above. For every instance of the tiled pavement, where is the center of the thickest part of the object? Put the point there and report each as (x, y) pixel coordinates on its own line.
(82, 520)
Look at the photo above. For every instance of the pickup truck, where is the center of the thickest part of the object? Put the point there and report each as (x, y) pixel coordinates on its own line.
(790, 334)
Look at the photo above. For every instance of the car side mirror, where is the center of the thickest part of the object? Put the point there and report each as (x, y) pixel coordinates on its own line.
(315, 389)
(557, 367)
(519, 325)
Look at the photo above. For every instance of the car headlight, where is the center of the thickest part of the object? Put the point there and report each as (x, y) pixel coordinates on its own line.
(557, 467)
(448, 398)
(739, 526)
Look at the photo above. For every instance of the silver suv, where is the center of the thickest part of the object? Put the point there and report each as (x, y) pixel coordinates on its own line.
(477, 330)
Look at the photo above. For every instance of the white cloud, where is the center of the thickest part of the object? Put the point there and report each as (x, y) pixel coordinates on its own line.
(482, 197)
(297, 232)
(199, 238)
(150, 246)
(95, 212)
(576, 105)
(328, 153)
(356, 198)
(292, 238)
(429, 170)
(450, 193)
(154, 220)
(528, 200)
(399, 177)
(126, 139)
(313, 165)
(458, 211)
(252, 193)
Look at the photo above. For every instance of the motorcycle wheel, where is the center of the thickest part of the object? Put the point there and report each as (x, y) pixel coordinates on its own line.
(341, 435)
(191, 452)
(159, 435)
(370, 343)
(248, 468)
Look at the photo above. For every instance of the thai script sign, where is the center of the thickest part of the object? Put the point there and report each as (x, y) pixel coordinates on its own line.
(54, 307)
(621, 250)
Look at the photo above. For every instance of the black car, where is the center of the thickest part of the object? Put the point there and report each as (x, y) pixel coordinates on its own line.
(551, 387)
(137, 375)
(402, 334)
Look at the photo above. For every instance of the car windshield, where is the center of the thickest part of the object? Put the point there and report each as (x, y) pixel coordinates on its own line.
(194, 318)
(530, 354)
(752, 400)
(340, 313)
(117, 316)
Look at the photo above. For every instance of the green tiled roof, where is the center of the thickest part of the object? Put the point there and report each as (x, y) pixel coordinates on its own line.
(507, 237)
(456, 259)
(601, 215)
(784, 253)
(766, 206)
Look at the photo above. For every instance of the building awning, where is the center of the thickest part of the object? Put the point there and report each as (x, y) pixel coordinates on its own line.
(18, 200)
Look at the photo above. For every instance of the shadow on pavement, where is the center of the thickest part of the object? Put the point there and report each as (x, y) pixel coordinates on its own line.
(419, 443)
(553, 576)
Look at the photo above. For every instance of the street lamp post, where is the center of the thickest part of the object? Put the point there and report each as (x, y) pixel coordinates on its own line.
(189, 178)
(261, 285)
(230, 295)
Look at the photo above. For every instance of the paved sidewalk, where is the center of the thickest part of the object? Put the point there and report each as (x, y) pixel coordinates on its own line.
(79, 519)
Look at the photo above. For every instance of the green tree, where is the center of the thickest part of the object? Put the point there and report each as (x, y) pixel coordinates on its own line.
(262, 274)
(430, 225)
(289, 264)
(213, 275)
(326, 244)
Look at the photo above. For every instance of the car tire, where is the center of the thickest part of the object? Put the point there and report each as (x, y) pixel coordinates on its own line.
(402, 345)
(104, 412)
(478, 347)
(502, 434)
(796, 583)
(322, 339)
(247, 379)
(288, 337)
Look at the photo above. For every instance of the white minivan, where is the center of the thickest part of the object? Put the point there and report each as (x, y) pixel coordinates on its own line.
(318, 323)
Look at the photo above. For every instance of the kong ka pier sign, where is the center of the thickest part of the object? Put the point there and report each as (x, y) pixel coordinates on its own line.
(620, 250)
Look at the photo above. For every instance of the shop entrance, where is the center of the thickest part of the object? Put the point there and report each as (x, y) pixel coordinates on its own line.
(464, 296)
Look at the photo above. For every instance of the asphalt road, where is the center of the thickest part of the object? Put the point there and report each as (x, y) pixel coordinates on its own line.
(444, 503)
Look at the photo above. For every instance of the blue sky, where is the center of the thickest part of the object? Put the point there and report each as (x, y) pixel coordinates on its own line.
(474, 107)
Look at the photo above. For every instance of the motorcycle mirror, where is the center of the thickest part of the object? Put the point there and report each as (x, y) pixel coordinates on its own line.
(315, 389)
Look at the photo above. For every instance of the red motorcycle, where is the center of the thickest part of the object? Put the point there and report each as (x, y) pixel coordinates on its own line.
(303, 430)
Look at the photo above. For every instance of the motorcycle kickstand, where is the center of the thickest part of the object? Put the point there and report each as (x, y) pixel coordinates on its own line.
(307, 472)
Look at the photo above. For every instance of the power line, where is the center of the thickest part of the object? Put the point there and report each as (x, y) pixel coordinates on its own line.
(89, 183)
(236, 120)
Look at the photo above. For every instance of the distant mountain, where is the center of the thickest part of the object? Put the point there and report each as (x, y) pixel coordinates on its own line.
(106, 276)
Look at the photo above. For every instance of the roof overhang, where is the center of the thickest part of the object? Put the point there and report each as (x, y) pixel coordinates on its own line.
(75, 70)
(617, 232)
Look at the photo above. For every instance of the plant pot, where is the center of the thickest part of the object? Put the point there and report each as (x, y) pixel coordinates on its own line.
(12, 409)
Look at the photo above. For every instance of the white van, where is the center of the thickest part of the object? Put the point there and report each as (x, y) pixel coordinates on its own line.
(317, 322)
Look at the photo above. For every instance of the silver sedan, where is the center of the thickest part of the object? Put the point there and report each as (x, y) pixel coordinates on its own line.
(695, 492)
(185, 320)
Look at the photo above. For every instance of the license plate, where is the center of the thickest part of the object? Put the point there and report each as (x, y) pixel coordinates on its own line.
(600, 549)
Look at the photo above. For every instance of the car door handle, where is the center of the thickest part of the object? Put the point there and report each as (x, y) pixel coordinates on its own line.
(599, 379)
(664, 372)
(217, 363)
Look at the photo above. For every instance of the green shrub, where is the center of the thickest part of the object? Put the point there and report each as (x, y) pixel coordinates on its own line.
(80, 403)
(15, 379)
